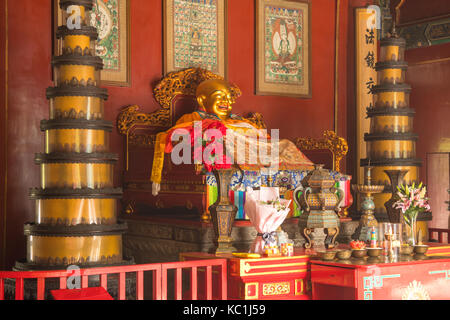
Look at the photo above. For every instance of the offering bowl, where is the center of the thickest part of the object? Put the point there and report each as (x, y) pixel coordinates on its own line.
(327, 255)
(359, 253)
(406, 250)
(421, 249)
(374, 252)
(344, 254)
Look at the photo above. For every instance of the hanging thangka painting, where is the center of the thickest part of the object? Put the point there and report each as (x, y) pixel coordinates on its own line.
(112, 20)
(283, 50)
(195, 35)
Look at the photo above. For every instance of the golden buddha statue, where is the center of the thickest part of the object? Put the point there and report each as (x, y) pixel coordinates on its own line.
(215, 104)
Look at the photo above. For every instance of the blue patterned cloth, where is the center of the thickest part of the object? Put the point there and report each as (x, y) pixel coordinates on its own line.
(256, 179)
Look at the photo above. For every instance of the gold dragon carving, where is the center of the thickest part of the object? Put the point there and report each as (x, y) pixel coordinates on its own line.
(330, 141)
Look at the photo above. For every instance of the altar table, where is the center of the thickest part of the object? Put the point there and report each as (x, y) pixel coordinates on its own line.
(290, 277)
(409, 278)
(265, 278)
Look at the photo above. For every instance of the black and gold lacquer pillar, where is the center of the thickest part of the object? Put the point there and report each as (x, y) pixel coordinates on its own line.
(391, 143)
(76, 203)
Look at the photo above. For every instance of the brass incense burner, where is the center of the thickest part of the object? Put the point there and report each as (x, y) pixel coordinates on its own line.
(320, 202)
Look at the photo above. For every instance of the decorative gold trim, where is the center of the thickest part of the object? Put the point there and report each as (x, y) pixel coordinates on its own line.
(276, 289)
(247, 267)
(256, 284)
(438, 254)
(330, 141)
(301, 291)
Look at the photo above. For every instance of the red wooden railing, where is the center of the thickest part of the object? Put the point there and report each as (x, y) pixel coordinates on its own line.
(159, 274)
(440, 234)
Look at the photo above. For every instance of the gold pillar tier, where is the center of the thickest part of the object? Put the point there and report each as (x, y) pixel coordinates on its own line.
(76, 170)
(391, 124)
(85, 136)
(75, 211)
(77, 69)
(392, 49)
(76, 107)
(76, 140)
(391, 72)
(391, 146)
(82, 244)
(79, 41)
(391, 96)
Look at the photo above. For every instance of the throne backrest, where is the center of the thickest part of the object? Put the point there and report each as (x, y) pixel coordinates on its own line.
(328, 150)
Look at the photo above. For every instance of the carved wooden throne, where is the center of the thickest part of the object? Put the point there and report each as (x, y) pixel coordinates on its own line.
(183, 192)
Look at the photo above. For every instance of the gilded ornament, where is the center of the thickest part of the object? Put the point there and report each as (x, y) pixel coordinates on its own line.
(330, 141)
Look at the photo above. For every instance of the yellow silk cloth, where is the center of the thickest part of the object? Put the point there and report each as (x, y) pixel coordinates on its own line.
(243, 133)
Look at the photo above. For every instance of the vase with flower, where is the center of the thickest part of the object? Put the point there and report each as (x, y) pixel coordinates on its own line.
(411, 200)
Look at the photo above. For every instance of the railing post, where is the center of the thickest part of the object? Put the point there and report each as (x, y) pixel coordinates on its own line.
(19, 288)
(122, 286)
(104, 281)
(2, 289)
(178, 284)
(163, 283)
(194, 287)
(40, 288)
(208, 283)
(224, 281)
(63, 283)
(157, 283)
(140, 285)
(84, 281)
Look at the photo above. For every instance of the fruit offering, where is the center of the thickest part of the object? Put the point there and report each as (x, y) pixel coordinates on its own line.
(357, 244)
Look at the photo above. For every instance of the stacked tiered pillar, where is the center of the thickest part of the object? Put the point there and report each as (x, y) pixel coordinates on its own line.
(391, 142)
(75, 217)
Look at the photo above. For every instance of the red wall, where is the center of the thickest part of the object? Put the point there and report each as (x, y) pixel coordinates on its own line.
(414, 10)
(2, 124)
(29, 74)
(428, 74)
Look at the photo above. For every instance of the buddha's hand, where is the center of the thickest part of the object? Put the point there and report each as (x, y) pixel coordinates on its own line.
(155, 188)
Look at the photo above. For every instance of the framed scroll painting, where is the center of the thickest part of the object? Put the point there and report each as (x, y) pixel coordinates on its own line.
(283, 48)
(195, 35)
(112, 19)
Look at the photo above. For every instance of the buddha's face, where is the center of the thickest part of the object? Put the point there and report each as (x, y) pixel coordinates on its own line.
(215, 97)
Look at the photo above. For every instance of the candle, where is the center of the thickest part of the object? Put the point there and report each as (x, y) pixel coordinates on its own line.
(368, 181)
(373, 238)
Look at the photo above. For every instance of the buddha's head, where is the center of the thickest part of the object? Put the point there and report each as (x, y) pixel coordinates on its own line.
(215, 96)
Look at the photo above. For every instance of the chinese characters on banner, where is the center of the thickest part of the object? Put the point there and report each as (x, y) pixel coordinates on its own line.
(366, 76)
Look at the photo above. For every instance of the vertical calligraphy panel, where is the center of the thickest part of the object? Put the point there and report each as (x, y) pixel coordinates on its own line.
(366, 77)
